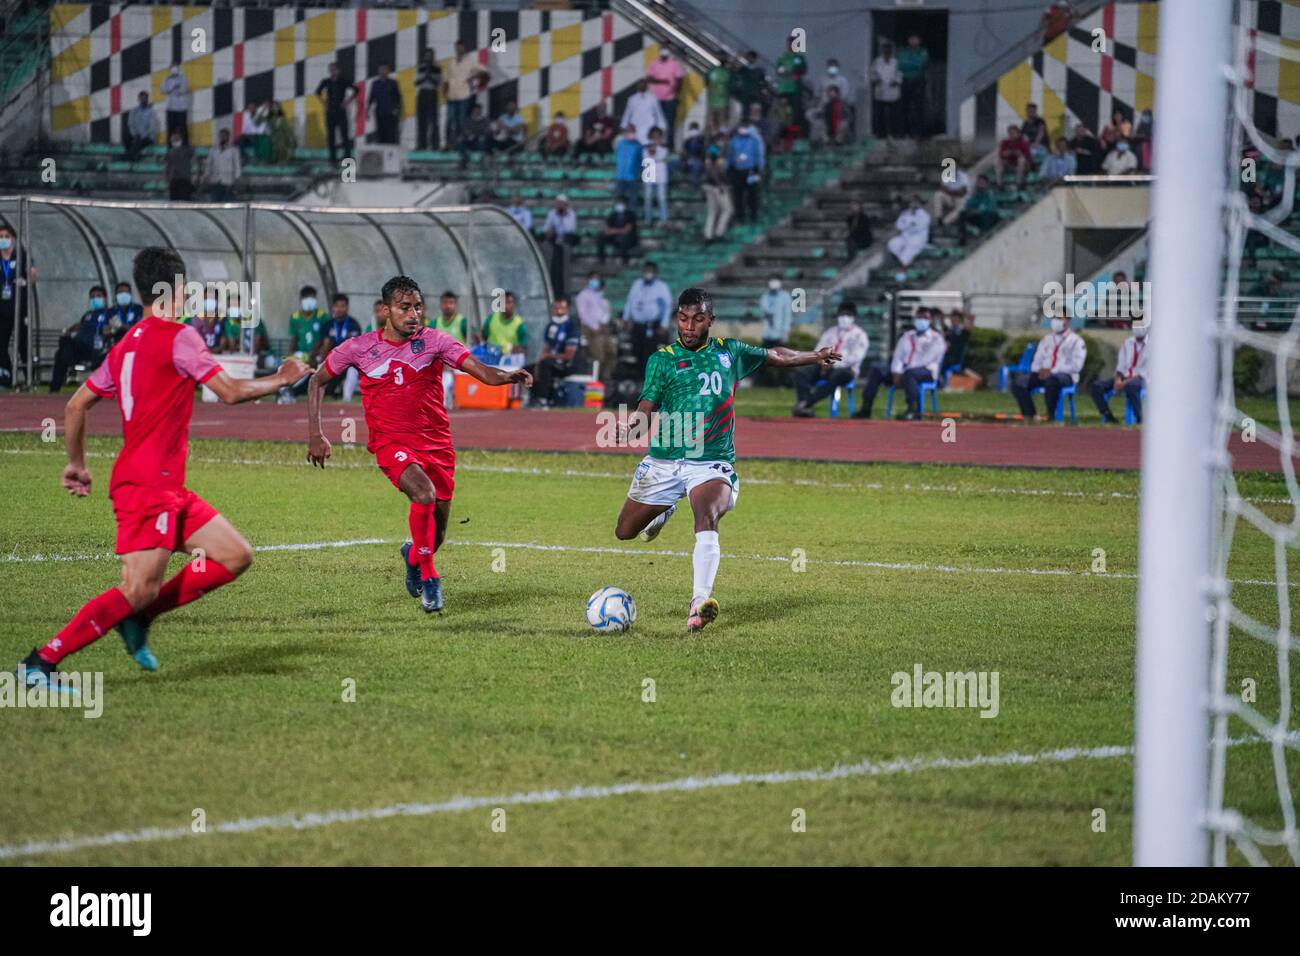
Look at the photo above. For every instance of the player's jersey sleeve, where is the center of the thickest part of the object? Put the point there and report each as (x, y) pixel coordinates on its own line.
(191, 357)
(345, 355)
(446, 348)
(746, 358)
(101, 381)
(653, 389)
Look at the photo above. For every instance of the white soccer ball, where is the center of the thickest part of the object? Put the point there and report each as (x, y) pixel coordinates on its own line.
(611, 609)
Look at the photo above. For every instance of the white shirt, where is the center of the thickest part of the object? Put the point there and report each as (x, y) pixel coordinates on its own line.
(644, 113)
(1062, 353)
(254, 123)
(960, 181)
(562, 223)
(177, 91)
(522, 215)
(659, 156)
(1132, 361)
(593, 308)
(919, 350)
(852, 343)
(913, 223)
(1118, 163)
(886, 80)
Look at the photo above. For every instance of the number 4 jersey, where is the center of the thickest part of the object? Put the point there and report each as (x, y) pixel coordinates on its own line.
(694, 392)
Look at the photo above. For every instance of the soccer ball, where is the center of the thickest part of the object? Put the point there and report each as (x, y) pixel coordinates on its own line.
(611, 610)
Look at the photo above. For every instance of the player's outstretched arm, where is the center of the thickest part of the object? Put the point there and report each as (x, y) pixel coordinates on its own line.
(318, 446)
(781, 357)
(491, 375)
(76, 477)
(233, 391)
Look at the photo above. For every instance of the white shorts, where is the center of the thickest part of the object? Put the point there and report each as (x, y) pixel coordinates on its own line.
(660, 481)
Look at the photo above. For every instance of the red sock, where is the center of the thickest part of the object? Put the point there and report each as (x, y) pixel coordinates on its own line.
(189, 584)
(421, 521)
(96, 618)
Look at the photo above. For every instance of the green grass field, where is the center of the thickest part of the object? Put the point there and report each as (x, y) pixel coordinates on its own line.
(835, 578)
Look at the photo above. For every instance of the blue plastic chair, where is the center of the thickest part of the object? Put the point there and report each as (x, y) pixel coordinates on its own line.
(1129, 417)
(1067, 395)
(927, 388)
(947, 373)
(1026, 360)
(835, 398)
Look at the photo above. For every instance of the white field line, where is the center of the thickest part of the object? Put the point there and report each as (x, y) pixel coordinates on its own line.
(907, 566)
(312, 821)
(904, 488)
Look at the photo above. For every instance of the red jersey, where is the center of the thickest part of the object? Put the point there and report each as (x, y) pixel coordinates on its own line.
(152, 373)
(401, 386)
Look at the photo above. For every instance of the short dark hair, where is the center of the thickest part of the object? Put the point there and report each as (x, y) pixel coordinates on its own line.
(448, 294)
(5, 227)
(154, 266)
(560, 298)
(307, 289)
(122, 285)
(507, 294)
(650, 264)
(847, 307)
(98, 288)
(695, 296)
(340, 297)
(397, 285)
(377, 302)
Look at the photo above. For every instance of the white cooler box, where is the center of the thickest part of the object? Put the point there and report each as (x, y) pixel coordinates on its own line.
(234, 365)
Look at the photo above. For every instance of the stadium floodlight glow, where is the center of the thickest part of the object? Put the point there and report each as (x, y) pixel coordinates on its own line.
(1171, 766)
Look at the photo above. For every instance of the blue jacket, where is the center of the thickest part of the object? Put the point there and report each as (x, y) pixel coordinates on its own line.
(627, 160)
(745, 151)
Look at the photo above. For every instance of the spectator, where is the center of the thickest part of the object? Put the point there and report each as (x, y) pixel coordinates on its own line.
(693, 148)
(338, 93)
(627, 165)
(241, 334)
(837, 117)
(255, 138)
(780, 130)
(449, 318)
(210, 324)
(859, 236)
(717, 191)
(506, 330)
(813, 382)
(463, 75)
(913, 63)
(141, 127)
(917, 356)
(1087, 151)
(222, 168)
(428, 80)
(718, 84)
(378, 320)
(1120, 161)
(745, 160)
(520, 213)
(177, 90)
(283, 139)
(1119, 128)
(950, 198)
(561, 231)
(1013, 152)
(956, 333)
(643, 113)
(1130, 377)
(980, 210)
(778, 313)
(768, 128)
(886, 91)
(307, 327)
(178, 169)
(559, 353)
(913, 225)
(341, 327)
(1035, 133)
(748, 84)
(87, 341)
(1143, 137)
(15, 272)
(1058, 360)
(656, 186)
(618, 230)
(598, 134)
(474, 134)
(554, 143)
(664, 77)
(386, 103)
(648, 308)
(1058, 165)
(593, 314)
(126, 311)
(834, 79)
(791, 68)
(510, 130)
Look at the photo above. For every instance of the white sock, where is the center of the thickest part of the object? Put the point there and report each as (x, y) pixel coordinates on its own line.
(708, 553)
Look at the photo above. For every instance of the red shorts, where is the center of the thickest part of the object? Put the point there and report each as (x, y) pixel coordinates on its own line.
(148, 518)
(440, 466)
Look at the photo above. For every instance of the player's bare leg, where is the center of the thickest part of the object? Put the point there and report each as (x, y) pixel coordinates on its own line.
(637, 516)
(425, 523)
(709, 501)
(219, 555)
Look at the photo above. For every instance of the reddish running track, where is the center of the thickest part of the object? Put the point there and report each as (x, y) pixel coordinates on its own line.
(976, 443)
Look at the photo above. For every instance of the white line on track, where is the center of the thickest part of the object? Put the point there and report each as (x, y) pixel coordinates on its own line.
(311, 821)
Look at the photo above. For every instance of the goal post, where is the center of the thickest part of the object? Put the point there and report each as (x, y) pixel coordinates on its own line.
(1171, 765)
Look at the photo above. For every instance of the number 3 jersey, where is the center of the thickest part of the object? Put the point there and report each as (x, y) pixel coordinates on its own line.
(401, 386)
(152, 373)
(694, 392)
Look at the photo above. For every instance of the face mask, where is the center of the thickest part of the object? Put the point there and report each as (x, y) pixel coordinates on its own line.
(845, 322)
(309, 304)
(96, 302)
(648, 276)
(1122, 147)
(1058, 326)
(6, 243)
(713, 151)
(619, 207)
(774, 284)
(921, 325)
(124, 298)
(176, 144)
(833, 70)
(1139, 332)
(233, 312)
(663, 55)
(593, 284)
(209, 306)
